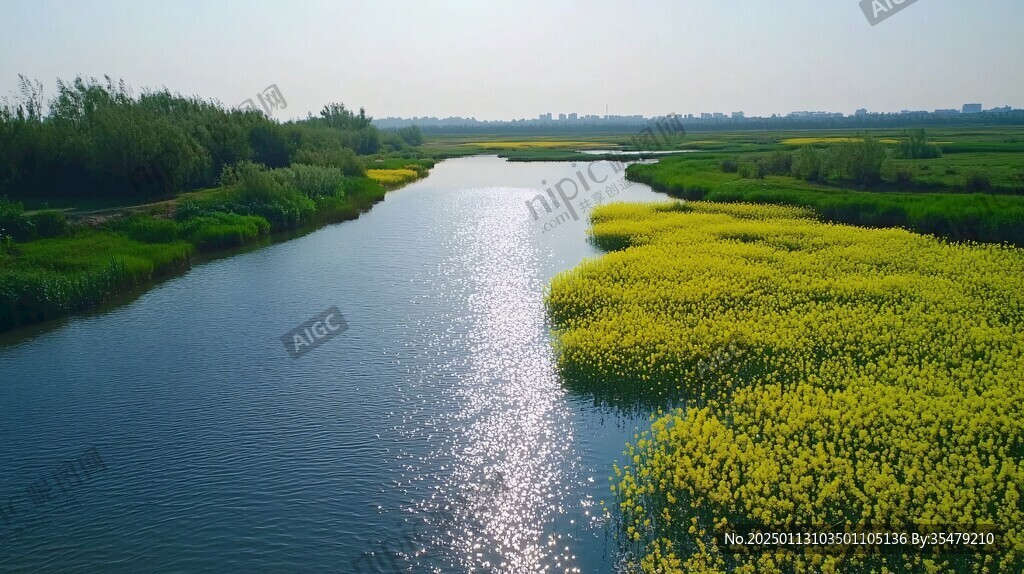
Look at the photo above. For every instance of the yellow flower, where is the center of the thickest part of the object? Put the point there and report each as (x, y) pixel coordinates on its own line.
(834, 375)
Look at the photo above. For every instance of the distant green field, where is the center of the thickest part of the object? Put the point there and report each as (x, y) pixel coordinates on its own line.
(974, 191)
(520, 147)
(936, 199)
(535, 148)
(1005, 170)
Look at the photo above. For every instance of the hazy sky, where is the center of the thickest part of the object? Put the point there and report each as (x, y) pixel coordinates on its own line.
(520, 58)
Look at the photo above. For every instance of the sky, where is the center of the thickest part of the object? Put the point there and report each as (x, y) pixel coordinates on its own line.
(505, 60)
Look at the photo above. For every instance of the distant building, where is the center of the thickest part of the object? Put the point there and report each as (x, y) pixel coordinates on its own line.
(705, 116)
(572, 117)
(738, 115)
(947, 112)
(972, 108)
(561, 117)
(1002, 110)
(719, 116)
(861, 112)
(545, 117)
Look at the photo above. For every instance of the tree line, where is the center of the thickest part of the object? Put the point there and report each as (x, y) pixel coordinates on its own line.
(96, 139)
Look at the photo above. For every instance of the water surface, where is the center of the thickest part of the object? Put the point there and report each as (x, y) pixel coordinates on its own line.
(433, 435)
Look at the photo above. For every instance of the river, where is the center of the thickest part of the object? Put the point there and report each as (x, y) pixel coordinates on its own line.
(434, 435)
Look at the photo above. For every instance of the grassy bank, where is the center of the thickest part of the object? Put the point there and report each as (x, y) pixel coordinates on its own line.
(953, 211)
(835, 379)
(55, 268)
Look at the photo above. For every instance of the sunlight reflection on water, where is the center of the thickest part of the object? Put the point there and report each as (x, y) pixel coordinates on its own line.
(511, 454)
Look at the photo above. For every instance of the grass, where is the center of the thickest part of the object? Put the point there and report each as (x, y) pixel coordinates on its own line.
(564, 147)
(49, 278)
(1004, 170)
(829, 140)
(958, 216)
(86, 266)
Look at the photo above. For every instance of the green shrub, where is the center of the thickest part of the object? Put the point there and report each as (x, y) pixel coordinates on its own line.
(220, 230)
(977, 182)
(313, 181)
(257, 191)
(899, 174)
(233, 174)
(14, 223)
(778, 163)
(203, 228)
(411, 135)
(49, 223)
(807, 164)
(859, 161)
(915, 146)
(145, 228)
(341, 158)
(188, 209)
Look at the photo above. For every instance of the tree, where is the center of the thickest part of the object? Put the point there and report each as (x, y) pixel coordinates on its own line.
(860, 161)
(411, 135)
(915, 146)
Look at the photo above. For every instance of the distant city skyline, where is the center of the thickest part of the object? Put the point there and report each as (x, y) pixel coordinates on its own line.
(967, 108)
(521, 59)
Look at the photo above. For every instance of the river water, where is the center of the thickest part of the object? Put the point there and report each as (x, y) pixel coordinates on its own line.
(174, 433)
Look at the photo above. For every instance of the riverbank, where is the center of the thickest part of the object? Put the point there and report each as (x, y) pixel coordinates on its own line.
(963, 189)
(68, 268)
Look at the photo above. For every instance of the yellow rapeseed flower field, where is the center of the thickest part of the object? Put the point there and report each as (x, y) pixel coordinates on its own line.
(393, 177)
(834, 378)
